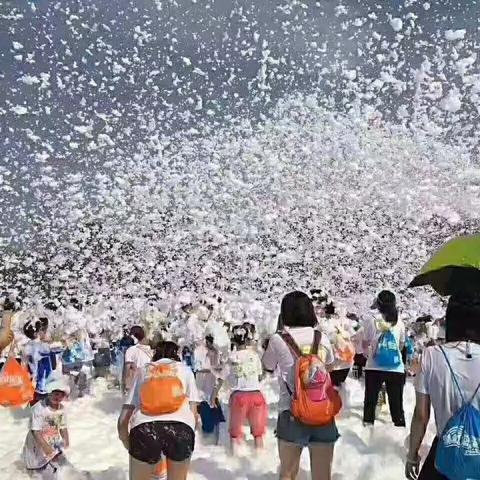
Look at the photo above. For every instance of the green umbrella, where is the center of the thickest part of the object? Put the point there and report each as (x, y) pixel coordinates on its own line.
(454, 269)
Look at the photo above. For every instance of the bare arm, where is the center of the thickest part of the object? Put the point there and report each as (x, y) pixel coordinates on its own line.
(46, 448)
(217, 389)
(65, 437)
(122, 423)
(420, 420)
(194, 409)
(6, 334)
(129, 371)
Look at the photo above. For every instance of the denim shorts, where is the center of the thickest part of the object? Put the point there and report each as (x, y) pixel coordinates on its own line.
(289, 429)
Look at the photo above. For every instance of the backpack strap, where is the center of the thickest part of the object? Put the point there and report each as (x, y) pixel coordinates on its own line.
(317, 338)
(294, 348)
(456, 381)
(148, 352)
(296, 352)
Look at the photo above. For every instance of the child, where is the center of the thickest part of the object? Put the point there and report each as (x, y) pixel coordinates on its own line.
(209, 380)
(37, 356)
(48, 434)
(247, 402)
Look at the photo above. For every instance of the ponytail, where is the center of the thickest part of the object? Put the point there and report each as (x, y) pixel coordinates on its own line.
(390, 314)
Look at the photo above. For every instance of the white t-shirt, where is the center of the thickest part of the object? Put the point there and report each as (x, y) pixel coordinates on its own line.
(139, 355)
(243, 370)
(279, 355)
(49, 422)
(371, 336)
(435, 379)
(184, 415)
(209, 369)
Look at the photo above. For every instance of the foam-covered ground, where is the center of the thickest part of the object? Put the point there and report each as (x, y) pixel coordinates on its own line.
(360, 453)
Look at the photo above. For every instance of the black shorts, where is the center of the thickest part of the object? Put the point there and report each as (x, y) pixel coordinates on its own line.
(339, 376)
(149, 441)
(360, 360)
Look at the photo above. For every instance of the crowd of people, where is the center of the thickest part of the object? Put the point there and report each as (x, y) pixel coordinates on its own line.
(171, 389)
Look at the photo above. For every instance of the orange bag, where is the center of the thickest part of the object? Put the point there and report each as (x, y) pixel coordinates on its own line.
(315, 401)
(16, 388)
(162, 391)
(344, 348)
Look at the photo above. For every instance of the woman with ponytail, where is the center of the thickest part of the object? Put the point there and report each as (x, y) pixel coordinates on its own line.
(384, 340)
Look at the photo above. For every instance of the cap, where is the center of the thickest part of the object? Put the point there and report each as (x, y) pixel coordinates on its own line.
(57, 383)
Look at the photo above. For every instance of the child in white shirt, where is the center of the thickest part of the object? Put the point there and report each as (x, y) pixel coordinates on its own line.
(47, 437)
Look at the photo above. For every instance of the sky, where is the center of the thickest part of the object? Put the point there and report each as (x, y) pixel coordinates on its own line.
(90, 90)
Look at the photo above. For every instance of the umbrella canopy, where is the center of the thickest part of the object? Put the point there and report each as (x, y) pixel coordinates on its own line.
(454, 269)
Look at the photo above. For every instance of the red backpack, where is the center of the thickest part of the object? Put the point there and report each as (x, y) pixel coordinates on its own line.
(315, 401)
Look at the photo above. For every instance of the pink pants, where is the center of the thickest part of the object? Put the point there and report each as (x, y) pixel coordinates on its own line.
(249, 406)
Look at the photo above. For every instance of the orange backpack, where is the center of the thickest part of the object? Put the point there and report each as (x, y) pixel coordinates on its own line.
(162, 391)
(315, 401)
(16, 388)
(344, 348)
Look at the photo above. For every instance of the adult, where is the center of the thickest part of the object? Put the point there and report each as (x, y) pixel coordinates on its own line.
(360, 360)
(299, 320)
(384, 340)
(136, 356)
(247, 403)
(155, 436)
(448, 376)
(339, 330)
(125, 342)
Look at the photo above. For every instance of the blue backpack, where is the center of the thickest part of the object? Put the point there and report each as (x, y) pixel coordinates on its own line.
(458, 451)
(387, 353)
(410, 347)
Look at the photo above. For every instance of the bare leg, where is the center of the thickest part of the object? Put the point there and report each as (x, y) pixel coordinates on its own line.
(234, 444)
(258, 442)
(177, 470)
(140, 470)
(321, 458)
(289, 460)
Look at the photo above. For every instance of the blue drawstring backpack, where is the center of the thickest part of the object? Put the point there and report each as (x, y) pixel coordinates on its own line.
(387, 354)
(458, 451)
(410, 347)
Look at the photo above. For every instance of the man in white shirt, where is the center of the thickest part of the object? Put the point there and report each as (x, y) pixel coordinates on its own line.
(136, 356)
